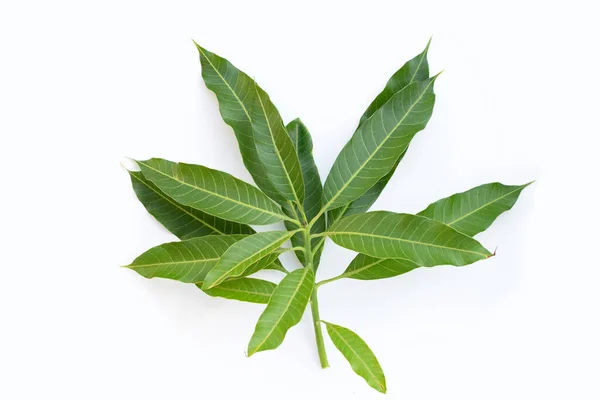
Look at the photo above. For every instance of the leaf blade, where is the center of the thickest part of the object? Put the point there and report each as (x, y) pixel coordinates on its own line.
(474, 210)
(359, 355)
(364, 267)
(214, 192)
(284, 310)
(243, 254)
(250, 290)
(425, 242)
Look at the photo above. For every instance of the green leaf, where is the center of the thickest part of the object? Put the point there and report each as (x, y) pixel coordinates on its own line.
(473, 211)
(313, 197)
(359, 355)
(378, 143)
(236, 95)
(186, 261)
(244, 289)
(428, 243)
(215, 192)
(275, 149)
(183, 221)
(284, 310)
(244, 253)
(366, 268)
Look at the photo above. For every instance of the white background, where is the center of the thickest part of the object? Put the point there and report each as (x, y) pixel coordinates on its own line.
(85, 83)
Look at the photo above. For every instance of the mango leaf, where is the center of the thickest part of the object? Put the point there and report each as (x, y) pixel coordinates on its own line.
(183, 221)
(359, 355)
(473, 211)
(284, 310)
(365, 267)
(425, 242)
(215, 192)
(186, 261)
(244, 289)
(244, 253)
(275, 149)
(236, 95)
(378, 143)
(313, 197)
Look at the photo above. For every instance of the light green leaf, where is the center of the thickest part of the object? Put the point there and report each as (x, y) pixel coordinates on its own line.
(284, 310)
(275, 149)
(359, 355)
(475, 210)
(186, 261)
(428, 243)
(244, 289)
(244, 253)
(236, 95)
(313, 197)
(378, 143)
(365, 267)
(183, 221)
(214, 192)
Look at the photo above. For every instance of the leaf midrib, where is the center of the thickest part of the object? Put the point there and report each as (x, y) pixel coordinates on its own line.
(353, 176)
(172, 263)
(485, 205)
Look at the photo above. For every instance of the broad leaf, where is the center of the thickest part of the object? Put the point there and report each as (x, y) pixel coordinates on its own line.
(186, 261)
(236, 95)
(313, 197)
(384, 234)
(284, 310)
(475, 210)
(183, 221)
(244, 253)
(215, 192)
(275, 149)
(244, 289)
(365, 267)
(359, 355)
(378, 143)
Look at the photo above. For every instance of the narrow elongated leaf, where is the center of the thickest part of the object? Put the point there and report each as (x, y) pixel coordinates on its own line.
(378, 143)
(183, 221)
(284, 310)
(236, 95)
(359, 355)
(275, 149)
(366, 268)
(384, 234)
(215, 192)
(475, 210)
(186, 261)
(313, 197)
(243, 254)
(244, 289)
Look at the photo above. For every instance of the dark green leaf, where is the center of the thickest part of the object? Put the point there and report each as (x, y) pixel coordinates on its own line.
(244, 289)
(384, 234)
(284, 310)
(244, 253)
(183, 221)
(215, 192)
(365, 267)
(475, 210)
(359, 355)
(236, 95)
(378, 143)
(275, 149)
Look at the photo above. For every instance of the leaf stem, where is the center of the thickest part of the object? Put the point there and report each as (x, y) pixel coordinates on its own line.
(314, 302)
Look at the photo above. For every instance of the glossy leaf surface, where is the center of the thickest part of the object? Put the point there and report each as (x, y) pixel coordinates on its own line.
(359, 355)
(365, 267)
(244, 253)
(425, 242)
(183, 221)
(244, 289)
(378, 143)
(215, 192)
(284, 310)
(473, 211)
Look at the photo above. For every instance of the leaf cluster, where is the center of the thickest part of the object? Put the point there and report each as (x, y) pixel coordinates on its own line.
(211, 211)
